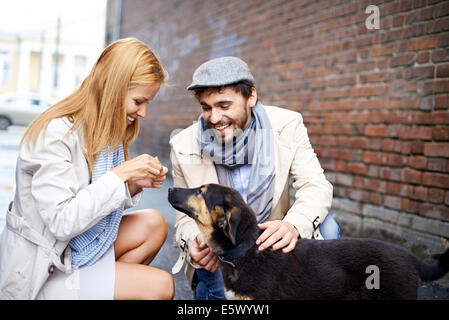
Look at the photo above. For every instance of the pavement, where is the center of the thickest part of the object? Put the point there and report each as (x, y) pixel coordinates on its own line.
(152, 198)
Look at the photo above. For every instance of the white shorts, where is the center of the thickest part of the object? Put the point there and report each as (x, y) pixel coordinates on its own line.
(98, 280)
(95, 282)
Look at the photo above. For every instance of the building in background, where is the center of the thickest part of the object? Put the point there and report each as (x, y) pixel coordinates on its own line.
(374, 100)
(48, 47)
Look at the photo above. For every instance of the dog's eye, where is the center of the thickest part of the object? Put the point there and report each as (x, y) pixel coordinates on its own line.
(222, 223)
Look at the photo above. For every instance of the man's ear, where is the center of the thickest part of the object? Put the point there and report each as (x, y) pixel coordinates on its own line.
(252, 100)
(230, 222)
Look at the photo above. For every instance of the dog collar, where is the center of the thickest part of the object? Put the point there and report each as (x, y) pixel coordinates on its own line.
(235, 253)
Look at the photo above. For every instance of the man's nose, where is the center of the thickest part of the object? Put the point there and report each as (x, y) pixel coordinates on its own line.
(215, 116)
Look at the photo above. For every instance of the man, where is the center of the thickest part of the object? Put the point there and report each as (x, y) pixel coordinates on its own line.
(256, 149)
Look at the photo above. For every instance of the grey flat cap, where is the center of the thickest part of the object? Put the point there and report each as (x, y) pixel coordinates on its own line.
(220, 72)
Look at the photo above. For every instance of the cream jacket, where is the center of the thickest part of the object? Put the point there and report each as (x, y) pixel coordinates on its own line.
(53, 203)
(294, 158)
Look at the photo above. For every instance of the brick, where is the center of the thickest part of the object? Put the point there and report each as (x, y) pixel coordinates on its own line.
(438, 25)
(424, 72)
(443, 40)
(358, 182)
(355, 194)
(382, 50)
(412, 176)
(437, 164)
(341, 154)
(436, 195)
(442, 9)
(436, 179)
(393, 202)
(441, 101)
(372, 197)
(393, 188)
(436, 149)
(376, 131)
(395, 160)
(440, 133)
(422, 43)
(415, 132)
(403, 60)
(423, 57)
(373, 171)
(357, 168)
(434, 211)
(343, 179)
(375, 185)
(388, 145)
(436, 86)
(443, 70)
(340, 166)
(374, 157)
(417, 148)
(380, 213)
(347, 205)
(419, 193)
(439, 55)
(410, 205)
(417, 162)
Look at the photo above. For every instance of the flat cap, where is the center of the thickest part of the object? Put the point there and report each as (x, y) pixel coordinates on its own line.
(219, 72)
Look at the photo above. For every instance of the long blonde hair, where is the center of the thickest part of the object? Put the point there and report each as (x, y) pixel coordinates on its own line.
(97, 107)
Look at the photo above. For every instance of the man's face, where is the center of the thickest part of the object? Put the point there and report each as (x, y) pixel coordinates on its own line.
(226, 111)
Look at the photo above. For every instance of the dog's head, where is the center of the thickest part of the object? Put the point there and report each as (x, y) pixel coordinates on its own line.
(219, 211)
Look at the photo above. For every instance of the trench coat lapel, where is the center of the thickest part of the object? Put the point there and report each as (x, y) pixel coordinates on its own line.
(283, 158)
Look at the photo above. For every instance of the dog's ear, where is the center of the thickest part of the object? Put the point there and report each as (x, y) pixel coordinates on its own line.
(229, 223)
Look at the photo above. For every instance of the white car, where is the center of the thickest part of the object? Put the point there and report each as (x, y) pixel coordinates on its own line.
(21, 109)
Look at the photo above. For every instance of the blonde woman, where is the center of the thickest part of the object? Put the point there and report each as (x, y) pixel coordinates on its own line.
(66, 234)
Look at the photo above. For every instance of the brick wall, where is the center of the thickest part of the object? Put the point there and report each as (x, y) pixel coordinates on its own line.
(375, 102)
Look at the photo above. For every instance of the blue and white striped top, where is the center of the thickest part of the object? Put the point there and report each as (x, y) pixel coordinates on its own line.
(90, 245)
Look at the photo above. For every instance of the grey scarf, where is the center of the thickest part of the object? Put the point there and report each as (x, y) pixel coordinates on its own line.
(253, 145)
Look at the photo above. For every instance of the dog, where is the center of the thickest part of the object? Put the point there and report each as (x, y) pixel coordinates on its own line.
(338, 269)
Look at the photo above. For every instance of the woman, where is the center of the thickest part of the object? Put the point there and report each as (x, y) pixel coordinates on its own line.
(66, 235)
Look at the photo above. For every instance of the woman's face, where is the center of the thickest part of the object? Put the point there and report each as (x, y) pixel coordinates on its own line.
(137, 99)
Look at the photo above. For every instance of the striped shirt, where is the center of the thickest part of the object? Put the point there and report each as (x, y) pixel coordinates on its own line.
(90, 245)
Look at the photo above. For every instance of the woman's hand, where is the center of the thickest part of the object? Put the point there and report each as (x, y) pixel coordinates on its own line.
(150, 182)
(143, 167)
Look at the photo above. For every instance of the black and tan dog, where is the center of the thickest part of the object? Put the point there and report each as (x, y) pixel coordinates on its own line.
(316, 269)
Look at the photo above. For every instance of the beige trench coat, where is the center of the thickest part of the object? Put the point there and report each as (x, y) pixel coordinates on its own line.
(53, 203)
(294, 157)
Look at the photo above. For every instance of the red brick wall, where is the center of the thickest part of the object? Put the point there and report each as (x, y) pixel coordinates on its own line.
(375, 102)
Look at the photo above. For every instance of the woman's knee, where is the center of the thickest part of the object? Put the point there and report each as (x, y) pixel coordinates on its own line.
(166, 286)
(135, 281)
(155, 223)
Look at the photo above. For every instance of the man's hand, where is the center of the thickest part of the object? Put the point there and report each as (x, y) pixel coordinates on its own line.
(203, 255)
(278, 234)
